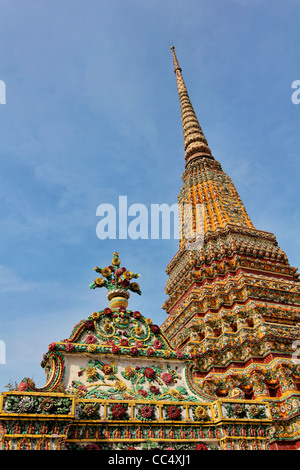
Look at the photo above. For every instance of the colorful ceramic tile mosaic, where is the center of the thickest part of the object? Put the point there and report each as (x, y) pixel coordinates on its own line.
(221, 372)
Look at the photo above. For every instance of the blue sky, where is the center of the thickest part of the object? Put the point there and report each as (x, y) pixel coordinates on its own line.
(92, 113)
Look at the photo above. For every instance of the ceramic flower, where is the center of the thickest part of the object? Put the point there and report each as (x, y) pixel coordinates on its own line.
(95, 315)
(129, 371)
(153, 389)
(136, 315)
(156, 344)
(99, 281)
(128, 275)
(147, 412)
(149, 372)
(115, 349)
(91, 372)
(150, 352)
(107, 311)
(200, 412)
(173, 412)
(106, 272)
(134, 351)
(90, 339)
(107, 369)
(167, 378)
(135, 286)
(119, 411)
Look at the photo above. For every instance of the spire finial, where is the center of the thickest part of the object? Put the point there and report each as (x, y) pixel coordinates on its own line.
(195, 143)
(176, 64)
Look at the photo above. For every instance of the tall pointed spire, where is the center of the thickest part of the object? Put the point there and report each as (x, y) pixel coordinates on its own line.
(195, 143)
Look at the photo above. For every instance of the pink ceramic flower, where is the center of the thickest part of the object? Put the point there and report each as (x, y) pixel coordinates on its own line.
(156, 344)
(179, 354)
(22, 387)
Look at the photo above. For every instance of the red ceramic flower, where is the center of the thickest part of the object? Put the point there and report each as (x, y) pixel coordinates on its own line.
(118, 411)
(118, 272)
(137, 315)
(70, 347)
(149, 372)
(167, 378)
(143, 393)
(201, 447)
(134, 351)
(107, 311)
(173, 412)
(115, 349)
(90, 339)
(153, 389)
(150, 352)
(93, 447)
(146, 411)
(89, 324)
(124, 342)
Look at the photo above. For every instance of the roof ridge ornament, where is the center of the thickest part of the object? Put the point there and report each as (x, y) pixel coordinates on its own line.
(117, 280)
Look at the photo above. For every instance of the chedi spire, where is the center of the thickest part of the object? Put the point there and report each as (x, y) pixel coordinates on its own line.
(195, 143)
